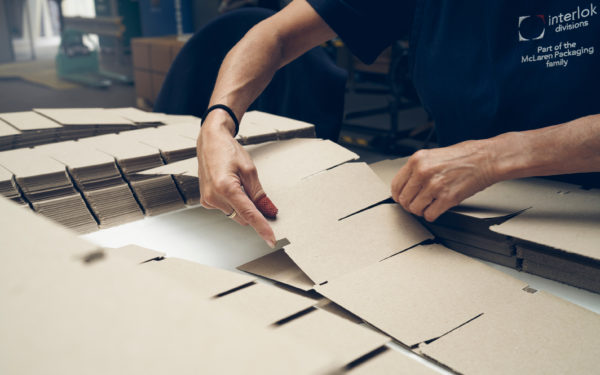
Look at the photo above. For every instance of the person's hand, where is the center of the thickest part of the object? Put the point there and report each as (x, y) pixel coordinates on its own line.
(432, 181)
(228, 177)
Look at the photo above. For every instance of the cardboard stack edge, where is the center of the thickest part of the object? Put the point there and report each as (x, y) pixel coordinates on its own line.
(101, 184)
(543, 227)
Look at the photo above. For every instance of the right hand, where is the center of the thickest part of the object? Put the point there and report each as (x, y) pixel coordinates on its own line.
(228, 176)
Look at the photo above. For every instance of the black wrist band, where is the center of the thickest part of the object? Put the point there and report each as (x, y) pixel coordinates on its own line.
(226, 109)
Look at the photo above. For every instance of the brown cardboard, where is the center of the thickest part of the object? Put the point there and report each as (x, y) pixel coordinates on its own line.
(422, 293)
(140, 53)
(285, 127)
(119, 317)
(338, 248)
(564, 219)
(588, 281)
(324, 198)
(83, 116)
(160, 55)
(307, 156)
(25, 121)
(264, 303)
(387, 169)
(137, 115)
(143, 84)
(7, 130)
(278, 266)
(134, 253)
(528, 334)
(344, 340)
(205, 281)
(392, 362)
(487, 240)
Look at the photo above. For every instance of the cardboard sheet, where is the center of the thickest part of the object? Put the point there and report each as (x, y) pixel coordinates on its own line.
(278, 266)
(391, 362)
(173, 147)
(111, 316)
(205, 281)
(325, 198)
(567, 220)
(265, 303)
(344, 340)
(422, 293)
(285, 163)
(26, 121)
(340, 247)
(483, 239)
(137, 115)
(83, 116)
(132, 156)
(564, 273)
(387, 169)
(157, 195)
(134, 253)
(7, 131)
(284, 127)
(113, 205)
(528, 334)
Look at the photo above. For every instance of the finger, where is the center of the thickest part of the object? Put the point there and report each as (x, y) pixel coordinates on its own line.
(421, 202)
(409, 192)
(399, 181)
(254, 190)
(248, 211)
(235, 217)
(435, 209)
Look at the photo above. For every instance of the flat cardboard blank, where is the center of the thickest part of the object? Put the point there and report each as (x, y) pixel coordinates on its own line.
(422, 293)
(344, 340)
(266, 304)
(527, 334)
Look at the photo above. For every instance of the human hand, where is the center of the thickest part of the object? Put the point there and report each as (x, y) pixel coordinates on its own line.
(229, 180)
(432, 181)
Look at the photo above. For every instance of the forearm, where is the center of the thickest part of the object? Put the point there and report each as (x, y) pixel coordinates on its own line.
(250, 65)
(572, 147)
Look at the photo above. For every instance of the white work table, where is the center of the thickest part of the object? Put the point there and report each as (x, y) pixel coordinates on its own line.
(210, 238)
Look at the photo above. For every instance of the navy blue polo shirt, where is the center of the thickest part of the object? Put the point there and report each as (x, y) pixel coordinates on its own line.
(482, 68)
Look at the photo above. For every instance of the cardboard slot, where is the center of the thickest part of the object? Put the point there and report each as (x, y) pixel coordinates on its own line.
(265, 303)
(278, 266)
(515, 338)
(389, 361)
(344, 340)
(318, 199)
(340, 247)
(203, 280)
(458, 289)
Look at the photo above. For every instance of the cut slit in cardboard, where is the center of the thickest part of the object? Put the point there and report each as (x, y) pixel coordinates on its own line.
(530, 334)
(435, 291)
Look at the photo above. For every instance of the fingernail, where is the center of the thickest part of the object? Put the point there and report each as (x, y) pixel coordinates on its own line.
(266, 207)
(271, 244)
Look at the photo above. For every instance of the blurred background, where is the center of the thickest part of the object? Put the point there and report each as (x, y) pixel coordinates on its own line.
(118, 53)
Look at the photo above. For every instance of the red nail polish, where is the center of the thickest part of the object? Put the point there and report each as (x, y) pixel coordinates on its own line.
(266, 207)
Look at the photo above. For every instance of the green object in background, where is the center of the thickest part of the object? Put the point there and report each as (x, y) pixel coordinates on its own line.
(76, 62)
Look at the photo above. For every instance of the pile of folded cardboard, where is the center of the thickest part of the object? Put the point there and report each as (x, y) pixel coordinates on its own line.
(45, 184)
(540, 226)
(114, 310)
(41, 126)
(97, 176)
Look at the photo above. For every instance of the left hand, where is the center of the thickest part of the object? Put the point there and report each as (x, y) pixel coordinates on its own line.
(432, 181)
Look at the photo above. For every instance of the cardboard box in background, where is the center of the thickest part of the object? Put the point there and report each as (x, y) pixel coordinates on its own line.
(152, 58)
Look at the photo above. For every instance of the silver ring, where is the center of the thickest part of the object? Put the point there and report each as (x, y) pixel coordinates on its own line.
(231, 215)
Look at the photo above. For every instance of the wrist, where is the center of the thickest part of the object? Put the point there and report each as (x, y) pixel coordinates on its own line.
(218, 121)
(511, 155)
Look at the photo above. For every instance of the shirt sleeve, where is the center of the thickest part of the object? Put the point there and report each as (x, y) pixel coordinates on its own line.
(367, 27)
